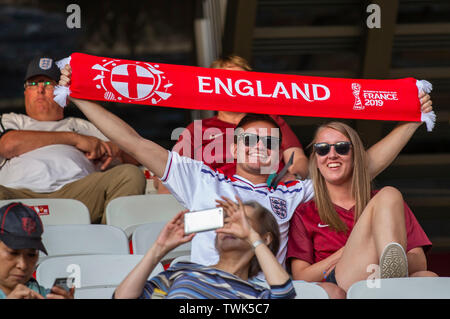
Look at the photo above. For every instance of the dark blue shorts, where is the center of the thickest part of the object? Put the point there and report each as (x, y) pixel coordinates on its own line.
(331, 277)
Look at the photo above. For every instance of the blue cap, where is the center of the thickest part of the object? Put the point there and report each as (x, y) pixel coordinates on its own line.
(43, 65)
(21, 227)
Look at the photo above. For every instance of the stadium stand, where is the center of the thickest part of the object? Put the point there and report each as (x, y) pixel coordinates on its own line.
(94, 275)
(56, 211)
(402, 288)
(306, 290)
(94, 293)
(67, 240)
(129, 212)
(145, 235)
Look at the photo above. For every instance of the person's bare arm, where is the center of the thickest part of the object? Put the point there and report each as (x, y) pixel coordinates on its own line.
(303, 270)
(170, 237)
(273, 271)
(18, 142)
(133, 285)
(383, 153)
(15, 143)
(123, 157)
(300, 163)
(417, 260)
(146, 152)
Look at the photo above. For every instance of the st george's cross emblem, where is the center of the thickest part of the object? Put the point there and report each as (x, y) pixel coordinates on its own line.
(131, 82)
(28, 225)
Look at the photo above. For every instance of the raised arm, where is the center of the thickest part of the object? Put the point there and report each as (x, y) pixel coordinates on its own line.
(300, 163)
(146, 152)
(170, 237)
(383, 153)
(236, 224)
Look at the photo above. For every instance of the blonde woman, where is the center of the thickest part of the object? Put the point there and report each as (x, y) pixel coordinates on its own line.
(347, 230)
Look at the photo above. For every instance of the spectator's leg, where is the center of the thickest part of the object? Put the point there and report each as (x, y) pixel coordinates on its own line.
(382, 222)
(98, 189)
(12, 193)
(417, 263)
(126, 180)
(333, 291)
(424, 273)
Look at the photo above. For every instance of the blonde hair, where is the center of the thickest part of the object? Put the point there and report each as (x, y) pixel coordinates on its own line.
(231, 59)
(361, 186)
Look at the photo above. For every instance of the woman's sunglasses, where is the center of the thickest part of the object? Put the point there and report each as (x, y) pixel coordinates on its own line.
(342, 148)
(269, 142)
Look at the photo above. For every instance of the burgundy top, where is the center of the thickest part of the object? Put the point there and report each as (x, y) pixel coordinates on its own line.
(312, 241)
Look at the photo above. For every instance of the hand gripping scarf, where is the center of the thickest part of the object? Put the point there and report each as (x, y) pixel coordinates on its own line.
(157, 84)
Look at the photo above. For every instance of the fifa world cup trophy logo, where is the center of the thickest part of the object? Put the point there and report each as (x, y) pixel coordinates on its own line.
(356, 89)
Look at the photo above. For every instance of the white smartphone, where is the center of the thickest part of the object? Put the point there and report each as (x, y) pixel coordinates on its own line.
(204, 220)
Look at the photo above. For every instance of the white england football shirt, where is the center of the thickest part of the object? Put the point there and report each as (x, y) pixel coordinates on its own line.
(197, 186)
(48, 168)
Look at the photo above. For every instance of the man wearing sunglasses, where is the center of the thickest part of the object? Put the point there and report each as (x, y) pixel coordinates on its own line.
(259, 144)
(209, 139)
(43, 154)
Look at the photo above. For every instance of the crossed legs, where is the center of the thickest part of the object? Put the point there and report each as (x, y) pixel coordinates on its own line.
(382, 222)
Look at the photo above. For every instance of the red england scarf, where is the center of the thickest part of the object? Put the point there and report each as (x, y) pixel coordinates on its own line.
(157, 84)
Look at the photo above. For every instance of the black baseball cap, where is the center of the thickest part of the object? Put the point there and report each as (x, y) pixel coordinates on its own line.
(21, 227)
(43, 65)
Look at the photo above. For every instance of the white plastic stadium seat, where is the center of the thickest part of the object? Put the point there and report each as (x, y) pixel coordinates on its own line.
(128, 212)
(402, 288)
(64, 240)
(306, 290)
(56, 211)
(95, 292)
(90, 271)
(145, 235)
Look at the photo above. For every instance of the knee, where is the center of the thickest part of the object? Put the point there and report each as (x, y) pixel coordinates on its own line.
(333, 291)
(388, 195)
(131, 174)
(6, 193)
(3, 193)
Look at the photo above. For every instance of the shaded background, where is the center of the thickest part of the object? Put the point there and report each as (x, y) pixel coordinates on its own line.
(308, 37)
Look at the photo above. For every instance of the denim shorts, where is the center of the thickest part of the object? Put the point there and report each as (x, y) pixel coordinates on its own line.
(331, 277)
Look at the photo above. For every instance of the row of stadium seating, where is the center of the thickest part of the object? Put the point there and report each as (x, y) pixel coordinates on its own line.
(98, 257)
(126, 213)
